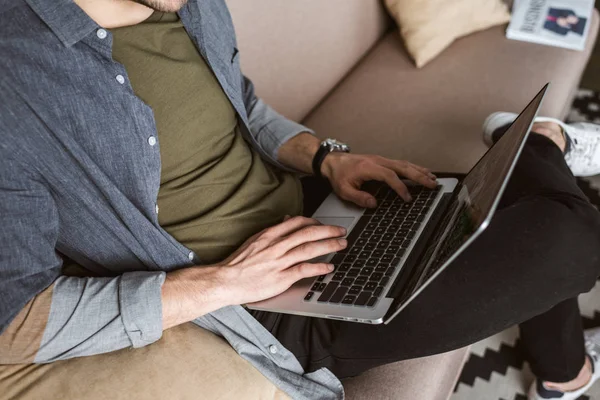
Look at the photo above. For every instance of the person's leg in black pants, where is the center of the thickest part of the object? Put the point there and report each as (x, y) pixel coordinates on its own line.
(540, 252)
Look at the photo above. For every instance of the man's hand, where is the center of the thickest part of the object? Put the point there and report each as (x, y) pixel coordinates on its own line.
(347, 172)
(266, 265)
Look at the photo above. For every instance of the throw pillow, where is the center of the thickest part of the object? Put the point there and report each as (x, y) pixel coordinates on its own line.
(429, 26)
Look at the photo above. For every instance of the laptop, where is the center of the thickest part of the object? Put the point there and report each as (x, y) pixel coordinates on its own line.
(397, 249)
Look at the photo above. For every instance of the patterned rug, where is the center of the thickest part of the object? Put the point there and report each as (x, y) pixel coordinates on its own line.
(496, 369)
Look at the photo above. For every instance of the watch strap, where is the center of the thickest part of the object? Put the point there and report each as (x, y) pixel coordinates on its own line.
(324, 149)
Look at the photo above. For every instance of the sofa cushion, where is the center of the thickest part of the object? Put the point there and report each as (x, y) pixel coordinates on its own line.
(429, 26)
(433, 116)
(431, 378)
(187, 363)
(296, 51)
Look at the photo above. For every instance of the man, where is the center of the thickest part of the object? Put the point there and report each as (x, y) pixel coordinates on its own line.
(563, 21)
(90, 89)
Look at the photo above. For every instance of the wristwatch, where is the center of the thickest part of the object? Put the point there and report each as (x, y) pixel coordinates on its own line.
(326, 147)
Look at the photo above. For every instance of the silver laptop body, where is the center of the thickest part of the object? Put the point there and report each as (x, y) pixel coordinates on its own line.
(456, 214)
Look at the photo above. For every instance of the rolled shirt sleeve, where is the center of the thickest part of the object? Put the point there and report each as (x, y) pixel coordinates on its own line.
(45, 316)
(269, 128)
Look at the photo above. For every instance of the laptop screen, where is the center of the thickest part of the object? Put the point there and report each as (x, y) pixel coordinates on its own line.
(471, 209)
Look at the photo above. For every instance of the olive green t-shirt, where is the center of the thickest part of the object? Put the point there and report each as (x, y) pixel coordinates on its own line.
(215, 191)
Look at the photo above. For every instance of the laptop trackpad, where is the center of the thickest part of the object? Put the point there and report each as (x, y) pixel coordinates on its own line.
(345, 222)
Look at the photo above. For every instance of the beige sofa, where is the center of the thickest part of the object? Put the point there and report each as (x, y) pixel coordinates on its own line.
(338, 66)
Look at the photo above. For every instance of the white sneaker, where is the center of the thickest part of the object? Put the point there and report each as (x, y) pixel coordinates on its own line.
(583, 156)
(539, 391)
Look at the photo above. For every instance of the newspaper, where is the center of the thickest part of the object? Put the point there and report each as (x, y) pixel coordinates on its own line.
(560, 23)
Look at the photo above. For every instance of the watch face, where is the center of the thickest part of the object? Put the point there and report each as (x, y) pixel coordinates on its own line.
(336, 145)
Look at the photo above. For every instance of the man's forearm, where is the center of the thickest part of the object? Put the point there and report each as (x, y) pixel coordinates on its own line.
(298, 152)
(191, 292)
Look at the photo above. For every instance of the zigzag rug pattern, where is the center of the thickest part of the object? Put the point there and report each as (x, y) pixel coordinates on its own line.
(496, 368)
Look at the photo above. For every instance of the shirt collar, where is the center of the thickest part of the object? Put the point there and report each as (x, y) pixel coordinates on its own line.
(65, 18)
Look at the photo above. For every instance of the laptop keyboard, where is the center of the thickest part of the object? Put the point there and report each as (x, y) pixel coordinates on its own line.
(376, 246)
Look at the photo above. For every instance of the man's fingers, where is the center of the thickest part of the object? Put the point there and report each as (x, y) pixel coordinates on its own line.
(412, 172)
(358, 197)
(288, 226)
(307, 270)
(390, 177)
(310, 250)
(311, 233)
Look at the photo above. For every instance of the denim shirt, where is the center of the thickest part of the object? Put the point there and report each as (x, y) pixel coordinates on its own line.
(79, 178)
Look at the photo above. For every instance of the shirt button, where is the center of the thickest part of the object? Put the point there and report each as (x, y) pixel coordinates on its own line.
(273, 349)
(191, 256)
(120, 79)
(151, 140)
(101, 33)
(156, 208)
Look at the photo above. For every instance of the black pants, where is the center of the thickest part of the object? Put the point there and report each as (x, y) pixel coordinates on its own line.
(540, 252)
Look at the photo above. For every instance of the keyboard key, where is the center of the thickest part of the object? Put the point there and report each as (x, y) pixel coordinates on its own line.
(347, 282)
(387, 258)
(366, 271)
(396, 261)
(350, 258)
(388, 236)
(377, 253)
(344, 267)
(362, 298)
(358, 229)
(364, 254)
(370, 246)
(376, 276)
(371, 226)
(337, 259)
(370, 286)
(390, 271)
(375, 238)
(372, 262)
(381, 268)
(361, 280)
(397, 241)
(372, 302)
(354, 290)
(383, 244)
(378, 291)
(355, 250)
(376, 218)
(385, 204)
(392, 249)
(318, 287)
(361, 242)
(348, 299)
(338, 276)
(308, 296)
(321, 278)
(338, 295)
(331, 287)
(359, 263)
(379, 231)
(353, 272)
(384, 280)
